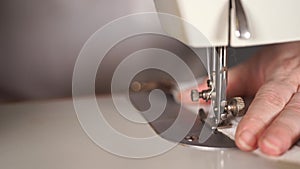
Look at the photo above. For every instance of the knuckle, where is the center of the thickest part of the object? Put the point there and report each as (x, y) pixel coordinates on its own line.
(286, 126)
(254, 123)
(271, 97)
(259, 121)
(291, 63)
(294, 105)
(288, 121)
(292, 82)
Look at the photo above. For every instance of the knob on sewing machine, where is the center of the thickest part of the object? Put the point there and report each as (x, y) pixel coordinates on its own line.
(225, 23)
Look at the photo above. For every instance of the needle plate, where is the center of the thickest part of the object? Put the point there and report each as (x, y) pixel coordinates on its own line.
(168, 117)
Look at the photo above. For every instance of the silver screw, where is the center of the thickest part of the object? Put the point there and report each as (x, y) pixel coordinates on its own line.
(191, 138)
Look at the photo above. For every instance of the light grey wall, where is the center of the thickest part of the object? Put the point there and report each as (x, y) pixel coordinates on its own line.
(41, 39)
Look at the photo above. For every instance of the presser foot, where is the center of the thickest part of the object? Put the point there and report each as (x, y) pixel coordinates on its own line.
(211, 122)
(235, 107)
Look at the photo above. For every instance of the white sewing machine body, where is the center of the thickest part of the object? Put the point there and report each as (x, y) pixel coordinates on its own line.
(217, 24)
(269, 21)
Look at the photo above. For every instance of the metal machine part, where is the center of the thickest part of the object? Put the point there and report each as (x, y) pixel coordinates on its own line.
(241, 24)
(160, 125)
(222, 110)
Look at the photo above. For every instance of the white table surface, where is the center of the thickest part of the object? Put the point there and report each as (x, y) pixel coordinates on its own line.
(47, 134)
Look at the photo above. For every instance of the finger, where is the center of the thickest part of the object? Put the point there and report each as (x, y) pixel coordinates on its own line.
(268, 102)
(284, 130)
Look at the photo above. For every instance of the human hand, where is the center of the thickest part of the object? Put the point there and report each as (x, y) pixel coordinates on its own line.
(272, 122)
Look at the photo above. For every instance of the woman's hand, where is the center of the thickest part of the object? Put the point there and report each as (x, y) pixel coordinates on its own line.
(272, 122)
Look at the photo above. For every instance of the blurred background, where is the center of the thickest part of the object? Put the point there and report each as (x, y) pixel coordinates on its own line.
(41, 39)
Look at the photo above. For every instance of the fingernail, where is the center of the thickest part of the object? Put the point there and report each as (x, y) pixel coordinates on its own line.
(271, 146)
(246, 140)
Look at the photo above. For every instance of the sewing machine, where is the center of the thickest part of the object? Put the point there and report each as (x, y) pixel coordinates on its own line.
(224, 23)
